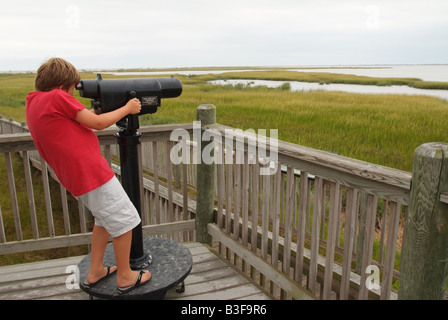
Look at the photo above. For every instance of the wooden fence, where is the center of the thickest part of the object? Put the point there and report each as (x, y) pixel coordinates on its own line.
(167, 209)
(319, 225)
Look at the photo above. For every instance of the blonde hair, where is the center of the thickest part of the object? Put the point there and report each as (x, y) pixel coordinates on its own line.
(54, 73)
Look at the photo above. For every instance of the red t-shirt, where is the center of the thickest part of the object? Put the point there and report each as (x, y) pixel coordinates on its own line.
(71, 149)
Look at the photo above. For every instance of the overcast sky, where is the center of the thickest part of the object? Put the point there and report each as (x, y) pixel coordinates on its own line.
(191, 33)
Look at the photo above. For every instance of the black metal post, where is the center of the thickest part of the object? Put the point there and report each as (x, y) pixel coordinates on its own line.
(128, 140)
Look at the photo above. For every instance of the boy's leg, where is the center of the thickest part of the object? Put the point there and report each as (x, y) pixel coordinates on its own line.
(122, 249)
(100, 237)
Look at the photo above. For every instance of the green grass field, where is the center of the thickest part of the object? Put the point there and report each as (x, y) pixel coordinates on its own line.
(382, 129)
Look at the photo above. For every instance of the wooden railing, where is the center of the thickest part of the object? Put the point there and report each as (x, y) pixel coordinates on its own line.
(167, 208)
(326, 222)
(320, 225)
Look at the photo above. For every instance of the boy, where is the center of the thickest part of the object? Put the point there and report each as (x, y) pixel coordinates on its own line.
(61, 128)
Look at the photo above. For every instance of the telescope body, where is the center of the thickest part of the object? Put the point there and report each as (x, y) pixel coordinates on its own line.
(110, 94)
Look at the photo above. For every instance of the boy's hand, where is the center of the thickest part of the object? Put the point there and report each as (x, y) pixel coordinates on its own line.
(95, 111)
(104, 120)
(134, 106)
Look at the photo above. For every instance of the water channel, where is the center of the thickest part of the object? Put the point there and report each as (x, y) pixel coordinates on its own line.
(312, 86)
(424, 72)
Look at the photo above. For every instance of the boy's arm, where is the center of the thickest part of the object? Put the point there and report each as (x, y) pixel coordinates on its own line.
(105, 120)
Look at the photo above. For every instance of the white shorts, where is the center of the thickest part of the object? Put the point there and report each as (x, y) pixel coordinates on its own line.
(112, 208)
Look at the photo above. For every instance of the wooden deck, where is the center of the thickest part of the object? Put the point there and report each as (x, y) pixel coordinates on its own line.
(210, 279)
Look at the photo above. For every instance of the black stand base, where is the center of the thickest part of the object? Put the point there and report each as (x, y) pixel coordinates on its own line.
(141, 263)
(171, 264)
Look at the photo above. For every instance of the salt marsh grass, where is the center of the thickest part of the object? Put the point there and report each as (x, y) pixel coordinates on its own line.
(383, 129)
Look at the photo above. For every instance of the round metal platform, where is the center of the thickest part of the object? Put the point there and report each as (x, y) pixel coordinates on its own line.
(171, 264)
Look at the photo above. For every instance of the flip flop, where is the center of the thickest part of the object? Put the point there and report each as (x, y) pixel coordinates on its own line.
(87, 285)
(138, 283)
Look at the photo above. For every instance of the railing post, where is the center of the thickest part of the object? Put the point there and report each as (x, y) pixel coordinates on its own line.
(425, 254)
(206, 114)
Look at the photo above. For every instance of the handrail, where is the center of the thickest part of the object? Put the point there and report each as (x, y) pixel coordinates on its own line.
(15, 142)
(392, 184)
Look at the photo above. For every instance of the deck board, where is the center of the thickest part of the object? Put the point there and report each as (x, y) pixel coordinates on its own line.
(210, 279)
